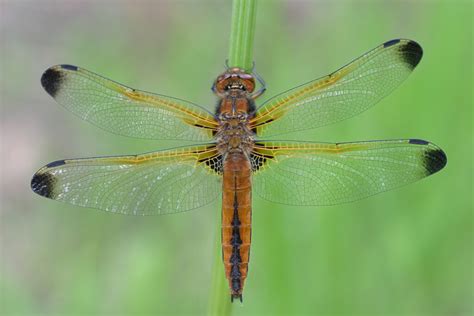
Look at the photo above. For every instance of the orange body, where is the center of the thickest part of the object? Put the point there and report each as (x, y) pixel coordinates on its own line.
(235, 141)
(236, 219)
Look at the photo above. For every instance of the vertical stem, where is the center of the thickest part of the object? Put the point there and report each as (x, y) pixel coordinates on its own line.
(244, 13)
(240, 55)
(219, 303)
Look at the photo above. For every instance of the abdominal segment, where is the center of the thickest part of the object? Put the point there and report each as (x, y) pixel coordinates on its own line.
(236, 220)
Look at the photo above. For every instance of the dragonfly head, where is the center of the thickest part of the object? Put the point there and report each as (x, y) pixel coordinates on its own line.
(234, 79)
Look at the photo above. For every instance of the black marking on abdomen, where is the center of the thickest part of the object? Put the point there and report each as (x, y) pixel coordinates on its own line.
(235, 258)
(43, 184)
(434, 160)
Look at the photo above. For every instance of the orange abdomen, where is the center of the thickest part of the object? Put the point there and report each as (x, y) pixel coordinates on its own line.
(236, 220)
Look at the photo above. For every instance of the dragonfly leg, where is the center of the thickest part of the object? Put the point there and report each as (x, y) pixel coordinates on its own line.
(213, 88)
(263, 85)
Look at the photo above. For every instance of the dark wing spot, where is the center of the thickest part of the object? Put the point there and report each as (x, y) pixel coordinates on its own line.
(418, 141)
(43, 184)
(215, 163)
(258, 160)
(411, 53)
(51, 80)
(55, 163)
(434, 160)
(69, 67)
(391, 42)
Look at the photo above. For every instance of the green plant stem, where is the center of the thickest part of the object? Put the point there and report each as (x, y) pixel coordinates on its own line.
(219, 303)
(240, 55)
(244, 13)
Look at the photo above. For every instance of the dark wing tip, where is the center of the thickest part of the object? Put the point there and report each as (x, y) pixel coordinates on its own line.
(434, 160)
(53, 77)
(411, 52)
(51, 81)
(43, 184)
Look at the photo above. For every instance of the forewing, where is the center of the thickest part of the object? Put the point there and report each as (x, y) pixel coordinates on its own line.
(153, 183)
(126, 111)
(346, 92)
(326, 174)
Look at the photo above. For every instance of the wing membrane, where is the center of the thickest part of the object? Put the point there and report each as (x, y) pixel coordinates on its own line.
(326, 174)
(342, 94)
(153, 183)
(126, 111)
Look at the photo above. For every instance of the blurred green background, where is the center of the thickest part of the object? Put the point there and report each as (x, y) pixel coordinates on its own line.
(405, 252)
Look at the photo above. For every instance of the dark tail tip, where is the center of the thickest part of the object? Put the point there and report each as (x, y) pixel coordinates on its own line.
(236, 296)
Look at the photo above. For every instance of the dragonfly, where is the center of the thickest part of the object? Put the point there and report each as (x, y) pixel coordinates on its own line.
(237, 152)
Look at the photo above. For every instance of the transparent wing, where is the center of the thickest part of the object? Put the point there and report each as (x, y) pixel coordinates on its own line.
(153, 183)
(126, 111)
(346, 92)
(325, 174)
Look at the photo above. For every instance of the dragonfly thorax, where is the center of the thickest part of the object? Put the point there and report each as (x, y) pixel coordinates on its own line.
(233, 114)
(234, 134)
